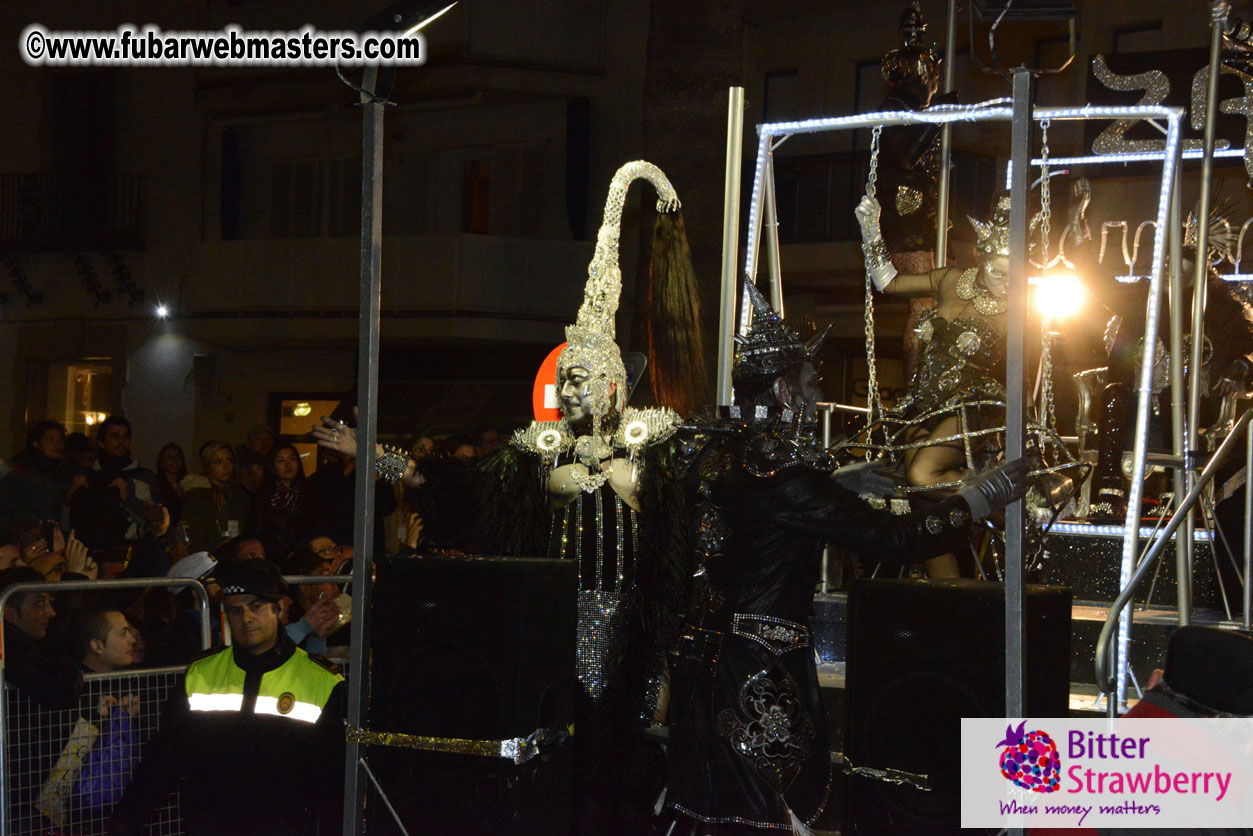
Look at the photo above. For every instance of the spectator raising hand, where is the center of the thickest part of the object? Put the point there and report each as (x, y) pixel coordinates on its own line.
(77, 559)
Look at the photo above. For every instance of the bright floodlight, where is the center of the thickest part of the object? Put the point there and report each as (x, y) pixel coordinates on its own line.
(1058, 295)
(162, 311)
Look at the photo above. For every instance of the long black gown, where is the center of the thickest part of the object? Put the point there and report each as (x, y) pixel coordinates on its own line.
(748, 742)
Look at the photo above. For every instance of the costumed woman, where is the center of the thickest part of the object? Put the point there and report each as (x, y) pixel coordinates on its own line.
(748, 746)
(963, 341)
(955, 387)
(575, 488)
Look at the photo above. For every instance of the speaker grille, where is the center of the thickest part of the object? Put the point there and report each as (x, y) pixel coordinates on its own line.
(922, 655)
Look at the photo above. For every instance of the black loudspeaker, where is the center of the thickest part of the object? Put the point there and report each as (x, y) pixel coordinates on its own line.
(921, 656)
(475, 649)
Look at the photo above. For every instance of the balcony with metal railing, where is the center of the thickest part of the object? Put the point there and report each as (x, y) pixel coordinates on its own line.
(47, 211)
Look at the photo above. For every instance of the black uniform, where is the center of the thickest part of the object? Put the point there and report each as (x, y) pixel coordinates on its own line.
(250, 762)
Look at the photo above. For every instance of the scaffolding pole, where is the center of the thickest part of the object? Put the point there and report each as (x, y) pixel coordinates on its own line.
(1015, 376)
(1199, 281)
(730, 240)
(367, 404)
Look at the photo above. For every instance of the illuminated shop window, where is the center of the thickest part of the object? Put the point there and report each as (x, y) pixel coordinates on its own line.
(81, 393)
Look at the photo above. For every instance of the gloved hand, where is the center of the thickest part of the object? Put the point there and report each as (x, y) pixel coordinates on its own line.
(878, 264)
(866, 478)
(867, 213)
(996, 488)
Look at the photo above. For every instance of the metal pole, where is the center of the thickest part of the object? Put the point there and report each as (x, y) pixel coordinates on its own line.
(1015, 374)
(1183, 544)
(1102, 661)
(1248, 532)
(367, 402)
(771, 229)
(755, 214)
(946, 143)
(1202, 261)
(730, 240)
(827, 410)
(1144, 393)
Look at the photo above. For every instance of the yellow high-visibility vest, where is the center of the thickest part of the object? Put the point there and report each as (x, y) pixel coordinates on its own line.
(296, 690)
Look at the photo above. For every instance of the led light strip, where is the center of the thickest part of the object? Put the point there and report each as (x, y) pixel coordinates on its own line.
(1090, 530)
(1129, 157)
(1131, 546)
(990, 111)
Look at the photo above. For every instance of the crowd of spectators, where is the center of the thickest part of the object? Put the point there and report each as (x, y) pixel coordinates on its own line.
(82, 509)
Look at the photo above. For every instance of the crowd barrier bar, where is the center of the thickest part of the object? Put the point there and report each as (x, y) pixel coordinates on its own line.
(89, 586)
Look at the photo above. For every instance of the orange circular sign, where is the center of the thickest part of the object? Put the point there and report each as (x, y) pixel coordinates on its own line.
(544, 394)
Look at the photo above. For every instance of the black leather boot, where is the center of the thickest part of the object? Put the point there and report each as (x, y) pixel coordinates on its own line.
(1109, 493)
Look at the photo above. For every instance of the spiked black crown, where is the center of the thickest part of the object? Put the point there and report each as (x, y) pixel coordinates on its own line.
(771, 348)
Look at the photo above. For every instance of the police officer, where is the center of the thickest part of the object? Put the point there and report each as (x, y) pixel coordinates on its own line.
(256, 734)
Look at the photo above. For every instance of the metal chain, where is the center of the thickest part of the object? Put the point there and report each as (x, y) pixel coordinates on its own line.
(1046, 209)
(873, 176)
(1047, 404)
(873, 402)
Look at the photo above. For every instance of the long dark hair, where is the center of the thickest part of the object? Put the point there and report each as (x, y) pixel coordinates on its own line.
(182, 471)
(271, 476)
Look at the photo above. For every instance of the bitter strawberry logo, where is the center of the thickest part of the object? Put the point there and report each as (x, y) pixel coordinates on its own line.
(1030, 759)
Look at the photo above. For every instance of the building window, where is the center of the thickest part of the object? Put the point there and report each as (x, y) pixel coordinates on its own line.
(81, 393)
(316, 198)
(869, 91)
(782, 99)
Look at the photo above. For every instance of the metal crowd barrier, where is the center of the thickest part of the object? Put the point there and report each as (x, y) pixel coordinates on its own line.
(63, 770)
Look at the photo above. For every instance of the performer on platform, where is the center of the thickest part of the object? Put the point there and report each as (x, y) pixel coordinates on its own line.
(576, 488)
(748, 746)
(963, 339)
(1226, 368)
(569, 488)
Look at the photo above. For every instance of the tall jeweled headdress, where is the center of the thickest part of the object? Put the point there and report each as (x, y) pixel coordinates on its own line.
(992, 236)
(771, 347)
(591, 339)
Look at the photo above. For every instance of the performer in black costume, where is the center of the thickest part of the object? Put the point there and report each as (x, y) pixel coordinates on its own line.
(748, 745)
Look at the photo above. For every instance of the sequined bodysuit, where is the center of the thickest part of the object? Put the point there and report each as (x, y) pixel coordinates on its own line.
(962, 360)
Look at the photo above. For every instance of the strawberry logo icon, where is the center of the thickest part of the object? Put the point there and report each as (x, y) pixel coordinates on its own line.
(1030, 759)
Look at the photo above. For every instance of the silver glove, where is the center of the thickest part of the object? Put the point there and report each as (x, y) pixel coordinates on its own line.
(878, 263)
(996, 488)
(866, 478)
